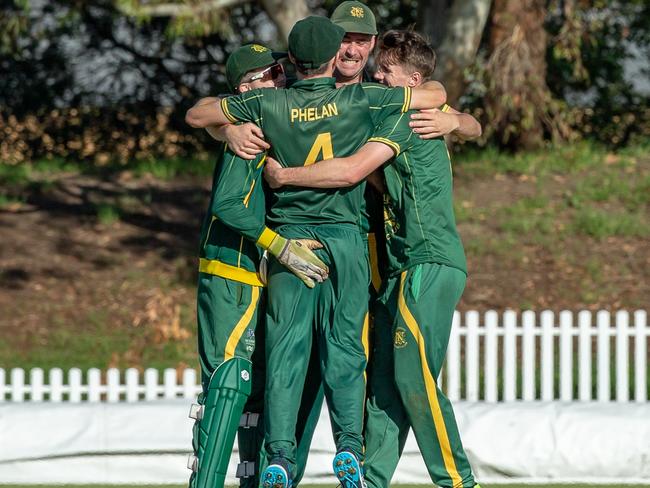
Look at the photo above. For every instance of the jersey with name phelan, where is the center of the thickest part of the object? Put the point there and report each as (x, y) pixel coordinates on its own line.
(313, 121)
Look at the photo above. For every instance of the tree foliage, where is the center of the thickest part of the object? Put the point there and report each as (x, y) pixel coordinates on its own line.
(90, 58)
(595, 46)
(108, 57)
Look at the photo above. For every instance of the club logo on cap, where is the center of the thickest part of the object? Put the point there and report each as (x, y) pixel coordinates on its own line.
(356, 12)
(258, 49)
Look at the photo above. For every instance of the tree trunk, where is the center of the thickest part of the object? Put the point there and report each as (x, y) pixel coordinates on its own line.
(465, 21)
(518, 102)
(432, 20)
(285, 13)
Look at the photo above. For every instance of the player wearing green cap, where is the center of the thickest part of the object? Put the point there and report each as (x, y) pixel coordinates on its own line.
(358, 21)
(310, 121)
(230, 293)
(360, 27)
(426, 267)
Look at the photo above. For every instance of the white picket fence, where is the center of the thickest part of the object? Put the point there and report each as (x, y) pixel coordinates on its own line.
(507, 357)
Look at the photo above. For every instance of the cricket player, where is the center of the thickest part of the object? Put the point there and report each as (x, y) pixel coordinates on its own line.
(427, 272)
(320, 122)
(230, 296)
(361, 30)
(358, 43)
(383, 452)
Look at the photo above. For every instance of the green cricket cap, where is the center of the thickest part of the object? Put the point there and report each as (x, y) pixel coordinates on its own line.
(355, 17)
(248, 58)
(314, 40)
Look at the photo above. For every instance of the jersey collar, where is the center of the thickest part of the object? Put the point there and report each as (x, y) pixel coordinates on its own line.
(313, 84)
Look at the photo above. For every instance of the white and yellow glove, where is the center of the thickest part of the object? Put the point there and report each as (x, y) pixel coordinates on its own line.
(297, 257)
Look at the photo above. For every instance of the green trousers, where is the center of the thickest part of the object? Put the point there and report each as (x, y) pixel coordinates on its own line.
(413, 320)
(311, 404)
(230, 323)
(330, 317)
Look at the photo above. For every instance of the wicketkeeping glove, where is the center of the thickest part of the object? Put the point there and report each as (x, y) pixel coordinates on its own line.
(296, 255)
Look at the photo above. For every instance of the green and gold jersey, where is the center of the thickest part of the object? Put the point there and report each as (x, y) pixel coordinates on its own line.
(418, 207)
(235, 219)
(312, 121)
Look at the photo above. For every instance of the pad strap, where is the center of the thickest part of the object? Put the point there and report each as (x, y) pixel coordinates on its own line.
(246, 469)
(249, 419)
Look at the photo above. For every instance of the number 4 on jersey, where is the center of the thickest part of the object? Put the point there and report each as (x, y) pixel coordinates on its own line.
(322, 143)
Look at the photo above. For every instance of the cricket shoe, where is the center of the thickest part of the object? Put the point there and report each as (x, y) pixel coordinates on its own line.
(276, 476)
(348, 471)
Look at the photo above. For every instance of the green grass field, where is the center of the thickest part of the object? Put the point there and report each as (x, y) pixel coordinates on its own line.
(561, 228)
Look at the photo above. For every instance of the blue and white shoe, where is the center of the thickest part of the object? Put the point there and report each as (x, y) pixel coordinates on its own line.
(275, 476)
(348, 471)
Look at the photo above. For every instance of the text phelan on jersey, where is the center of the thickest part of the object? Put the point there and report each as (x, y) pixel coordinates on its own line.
(314, 113)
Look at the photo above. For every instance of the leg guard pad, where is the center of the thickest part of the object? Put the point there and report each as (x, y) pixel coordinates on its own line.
(217, 421)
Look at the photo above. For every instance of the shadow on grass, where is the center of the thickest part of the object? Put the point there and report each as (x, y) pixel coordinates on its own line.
(168, 215)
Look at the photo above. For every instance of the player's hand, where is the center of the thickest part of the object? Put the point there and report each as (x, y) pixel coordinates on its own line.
(272, 170)
(432, 123)
(297, 257)
(310, 244)
(245, 140)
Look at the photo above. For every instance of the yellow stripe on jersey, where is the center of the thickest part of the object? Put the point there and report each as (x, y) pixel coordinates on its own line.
(445, 108)
(219, 268)
(393, 145)
(207, 234)
(430, 386)
(247, 198)
(365, 341)
(407, 98)
(226, 112)
(262, 161)
(239, 329)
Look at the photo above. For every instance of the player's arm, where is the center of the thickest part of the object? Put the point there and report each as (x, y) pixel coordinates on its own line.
(331, 173)
(430, 94)
(440, 122)
(207, 112)
(245, 140)
(234, 188)
(386, 102)
(217, 113)
(376, 180)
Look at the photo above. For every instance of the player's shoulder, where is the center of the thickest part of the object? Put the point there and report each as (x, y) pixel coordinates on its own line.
(373, 85)
(370, 86)
(260, 93)
(399, 120)
(376, 91)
